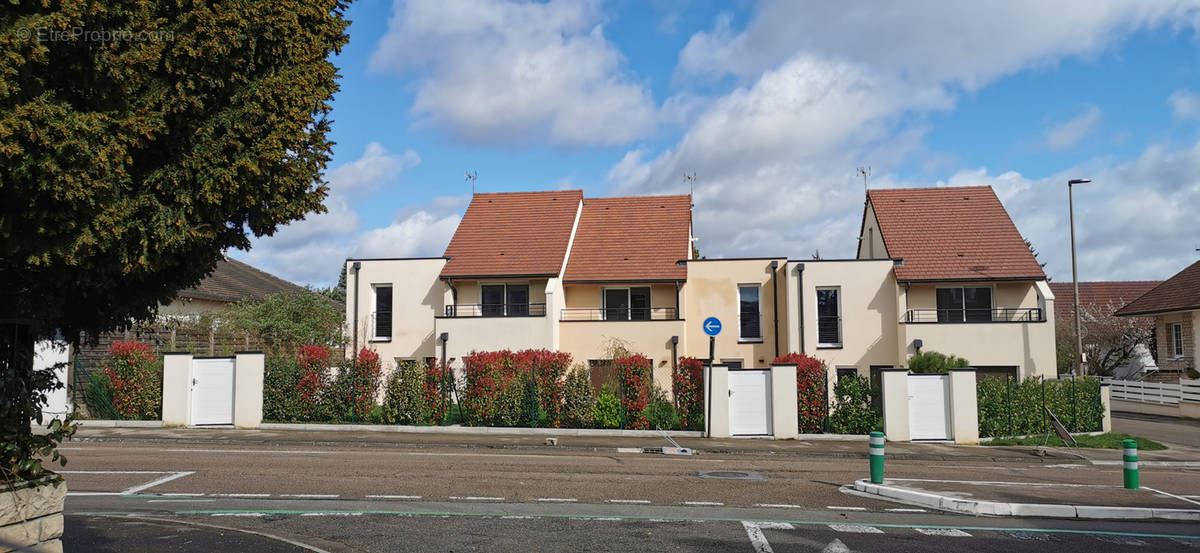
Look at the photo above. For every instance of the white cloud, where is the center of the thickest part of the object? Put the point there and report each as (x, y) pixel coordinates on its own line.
(422, 234)
(1185, 105)
(376, 166)
(1068, 133)
(500, 72)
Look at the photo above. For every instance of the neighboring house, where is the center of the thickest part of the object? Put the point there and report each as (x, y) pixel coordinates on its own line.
(943, 267)
(1175, 306)
(1117, 346)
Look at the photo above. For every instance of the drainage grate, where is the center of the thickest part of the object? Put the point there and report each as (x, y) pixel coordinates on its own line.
(731, 475)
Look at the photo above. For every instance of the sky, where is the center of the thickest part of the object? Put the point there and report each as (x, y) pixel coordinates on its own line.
(773, 106)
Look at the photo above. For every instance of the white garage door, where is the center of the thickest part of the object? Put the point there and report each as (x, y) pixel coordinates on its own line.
(749, 403)
(212, 391)
(929, 406)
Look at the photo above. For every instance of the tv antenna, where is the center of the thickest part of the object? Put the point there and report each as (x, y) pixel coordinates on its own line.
(865, 173)
(690, 179)
(471, 176)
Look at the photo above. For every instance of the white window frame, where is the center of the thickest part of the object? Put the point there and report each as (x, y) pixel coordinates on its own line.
(841, 336)
(375, 336)
(738, 309)
(1176, 340)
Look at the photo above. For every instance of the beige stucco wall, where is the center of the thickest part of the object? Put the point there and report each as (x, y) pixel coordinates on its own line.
(1004, 294)
(871, 245)
(417, 296)
(248, 376)
(712, 291)
(589, 296)
(467, 334)
(869, 311)
(1028, 346)
(586, 340)
(468, 290)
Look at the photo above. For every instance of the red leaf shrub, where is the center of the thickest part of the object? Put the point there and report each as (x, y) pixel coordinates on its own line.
(134, 375)
(688, 384)
(361, 384)
(438, 379)
(548, 368)
(633, 371)
(314, 367)
(811, 381)
(498, 385)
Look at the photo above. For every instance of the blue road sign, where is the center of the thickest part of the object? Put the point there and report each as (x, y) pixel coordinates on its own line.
(712, 326)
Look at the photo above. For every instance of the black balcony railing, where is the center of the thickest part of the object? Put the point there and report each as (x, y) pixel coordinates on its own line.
(1001, 315)
(620, 314)
(496, 310)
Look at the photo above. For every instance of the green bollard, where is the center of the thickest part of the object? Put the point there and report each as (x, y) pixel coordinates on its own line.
(1131, 465)
(876, 444)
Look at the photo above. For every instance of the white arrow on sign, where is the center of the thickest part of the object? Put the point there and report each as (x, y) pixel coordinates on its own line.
(712, 327)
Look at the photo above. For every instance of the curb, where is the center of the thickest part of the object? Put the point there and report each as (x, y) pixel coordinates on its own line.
(1003, 509)
(98, 423)
(481, 430)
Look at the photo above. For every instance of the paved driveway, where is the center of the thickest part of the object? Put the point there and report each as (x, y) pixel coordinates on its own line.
(1160, 429)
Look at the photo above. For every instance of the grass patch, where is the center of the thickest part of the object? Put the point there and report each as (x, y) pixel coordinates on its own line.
(1111, 440)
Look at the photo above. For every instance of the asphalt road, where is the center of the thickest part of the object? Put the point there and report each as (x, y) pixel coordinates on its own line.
(146, 497)
(1167, 430)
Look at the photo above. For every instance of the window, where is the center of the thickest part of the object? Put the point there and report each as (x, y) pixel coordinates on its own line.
(843, 372)
(964, 305)
(732, 363)
(829, 317)
(748, 313)
(1177, 340)
(627, 304)
(383, 312)
(504, 300)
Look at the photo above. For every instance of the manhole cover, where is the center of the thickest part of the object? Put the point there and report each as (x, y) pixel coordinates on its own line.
(731, 475)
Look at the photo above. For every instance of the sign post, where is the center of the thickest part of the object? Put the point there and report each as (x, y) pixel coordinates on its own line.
(712, 327)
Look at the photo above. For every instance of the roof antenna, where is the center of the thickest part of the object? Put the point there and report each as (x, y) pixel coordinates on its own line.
(690, 178)
(865, 173)
(471, 176)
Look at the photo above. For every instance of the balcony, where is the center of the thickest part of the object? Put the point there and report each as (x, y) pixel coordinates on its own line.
(496, 310)
(1001, 315)
(620, 314)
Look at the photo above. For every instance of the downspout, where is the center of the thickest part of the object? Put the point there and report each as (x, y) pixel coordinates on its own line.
(453, 296)
(800, 292)
(677, 306)
(354, 349)
(775, 303)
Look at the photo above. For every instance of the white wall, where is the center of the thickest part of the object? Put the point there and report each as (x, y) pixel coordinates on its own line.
(54, 354)
(418, 295)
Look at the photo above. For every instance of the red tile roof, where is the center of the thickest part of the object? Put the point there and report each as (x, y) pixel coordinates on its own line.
(631, 239)
(513, 233)
(1105, 296)
(952, 233)
(232, 280)
(1178, 293)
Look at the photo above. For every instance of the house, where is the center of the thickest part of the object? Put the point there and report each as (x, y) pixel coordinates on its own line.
(1175, 306)
(1111, 343)
(937, 268)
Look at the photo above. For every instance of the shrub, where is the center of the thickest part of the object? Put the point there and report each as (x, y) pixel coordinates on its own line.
(660, 413)
(1010, 408)
(133, 378)
(607, 410)
(548, 369)
(492, 391)
(633, 372)
(438, 383)
(404, 402)
(313, 385)
(285, 320)
(352, 395)
(578, 400)
(281, 382)
(688, 383)
(852, 411)
(812, 379)
(932, 362)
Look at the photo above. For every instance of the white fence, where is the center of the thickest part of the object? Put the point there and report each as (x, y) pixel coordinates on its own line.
(1155, 392)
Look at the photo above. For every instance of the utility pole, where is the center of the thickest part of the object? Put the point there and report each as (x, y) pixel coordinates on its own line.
(1079, 368)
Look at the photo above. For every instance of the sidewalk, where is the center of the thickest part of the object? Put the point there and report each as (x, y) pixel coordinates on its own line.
(821, 448)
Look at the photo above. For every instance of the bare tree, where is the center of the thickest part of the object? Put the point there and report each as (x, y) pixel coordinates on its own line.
(1108, 341)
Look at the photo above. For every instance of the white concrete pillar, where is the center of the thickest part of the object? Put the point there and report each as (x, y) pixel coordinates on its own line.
(784, 409)
(717, 395)
(964, 407)
(248, 370)
(1106, 405)
(177, 389)
(895, 404)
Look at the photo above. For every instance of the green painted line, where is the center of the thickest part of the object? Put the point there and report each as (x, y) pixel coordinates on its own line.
(687, 519)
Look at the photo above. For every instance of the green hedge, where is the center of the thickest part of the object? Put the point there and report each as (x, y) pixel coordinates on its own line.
(1010, 408)
(404, 402)
(852, 411)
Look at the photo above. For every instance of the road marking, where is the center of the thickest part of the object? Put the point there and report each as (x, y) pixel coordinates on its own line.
(757, 539)
(629, 450)
(704, 503)
(775, 525)
(605, 518)
(1182, 464)
(93, 493)
(181, 494)
(179, 500)
(855, 528)
(635, 501)
(836, 546)
(331, 514)
(985, 483)
(1172, 495)
(394, 497)
(516, 517)
(778, 505)
(1017, 534)
(239, 514)
(557, 499)
(952, 532)
(906, 510)
(156, 481)
(310, 495)
(111, 471)
(242, 494)
(265, 451)
(837, 508)
(475, 498)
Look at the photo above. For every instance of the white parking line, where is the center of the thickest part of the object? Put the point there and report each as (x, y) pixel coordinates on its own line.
(951, 532)
(167, 477)
(310, 495)
(394, 497)
(838, 508)
(239, 514)
(181, 494)
(156, 481)
(1172, 495)
(778, 505)
(557, 499)
(855, 529)
(179, 500)
(334, 514)
(475, 498)
(633, 501)
(906, 510)
(242, 495)
(704, 503)
(757, 539)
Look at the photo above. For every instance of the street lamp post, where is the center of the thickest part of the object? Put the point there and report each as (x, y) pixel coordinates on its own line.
(1075, 275)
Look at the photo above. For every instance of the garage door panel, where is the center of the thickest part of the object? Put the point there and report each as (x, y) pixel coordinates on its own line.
(929, 407)
(749, 403)
(212, 391)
